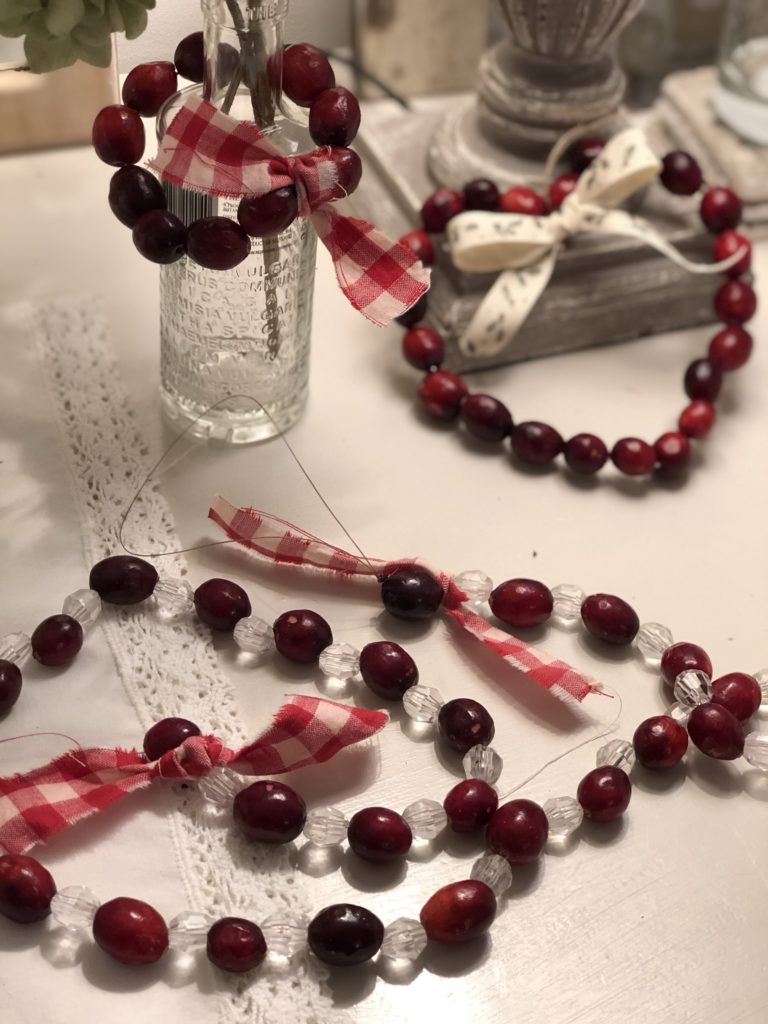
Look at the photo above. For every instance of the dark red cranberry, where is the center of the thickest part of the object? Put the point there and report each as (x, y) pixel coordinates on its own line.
(379, 835)
(269, 812)
(684, 657)
(470, 805)
(463, 723)
(133, 191)
(442, 206)
(270, 214)
(730, 348)
(349, 168)
(148, 86)
(307, 73)
(735, 302)
(57, 640)
(536, 444)
(727, 244)
(221, 604)
(604, 793)
(680, 174)
(561, 188)
(522, 602)
(481, 194)
(421, 246)
(160, 236)
(167, 734)
(235, 944)
(660, 742)
(738, 693)
(703, 380)
(720, 209)
(716, 732)
(411, 593)
(609, 618)
(633, 456)
(302, 635)
(217, 243)
(130, 931)
(459, 912)
(334, 118)
(26, 889)
(586, 453)
(441, 394)
(189, 57)
(486, 418)
(118, 135)
(123, 579)
(10, 685)
(415, 314)
(582, 153)
(387, 669)
(673, 452)
(344, 935)
(697, 419)
(523, 200)
(423, 347)
(518, 831)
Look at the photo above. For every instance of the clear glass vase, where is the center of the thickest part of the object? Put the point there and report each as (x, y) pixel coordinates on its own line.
(234, 361)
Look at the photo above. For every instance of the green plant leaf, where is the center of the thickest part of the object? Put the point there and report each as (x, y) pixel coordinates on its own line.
(45, 52)
(63, 15)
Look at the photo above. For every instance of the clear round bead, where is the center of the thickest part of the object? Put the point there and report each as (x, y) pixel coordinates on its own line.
(188, 931)
(679, 712)
(173, 597)
(756, 750)
(564, 815)
(284, 938)
(340, 661)
(83, 605)
(651, 641)
(404, 939)
(494, 871)
(616, 754)
(484, 763)
(426, 818)
(75, 907)
(693, 687)
(15, 647)
(762, 682)
(326, 826)
(219, 788)
(253, 635)
(422, 703)
(475, 584)
(567, 602)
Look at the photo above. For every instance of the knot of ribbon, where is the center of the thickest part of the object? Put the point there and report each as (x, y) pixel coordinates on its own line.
(208, 151)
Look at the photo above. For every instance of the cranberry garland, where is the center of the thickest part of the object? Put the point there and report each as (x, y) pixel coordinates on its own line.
(137, 198)
(445, 396)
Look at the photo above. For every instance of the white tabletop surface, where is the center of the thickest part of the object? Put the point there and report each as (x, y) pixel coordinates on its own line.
(660, 919)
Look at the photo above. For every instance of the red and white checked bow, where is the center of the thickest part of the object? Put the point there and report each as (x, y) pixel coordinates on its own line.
(37, 804)
(282, 542)
(208, 151)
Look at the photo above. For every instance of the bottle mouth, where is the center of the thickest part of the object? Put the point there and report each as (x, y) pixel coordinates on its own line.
(227, 13)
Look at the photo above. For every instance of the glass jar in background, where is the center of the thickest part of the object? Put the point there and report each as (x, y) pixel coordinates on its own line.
(741, 95)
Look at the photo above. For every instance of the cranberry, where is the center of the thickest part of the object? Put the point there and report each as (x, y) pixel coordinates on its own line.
(130, 931)
(411, 593)
(160, 236)
(735, 302)
(633, 456)
(442, 206)
(269, 812)
(10, 685)
(609, 618)
(26, 889)
(167, 734)
(585, 453)
(379, 835)
(344, 934)
(486, 418)
(270, 214)
(673, 452)
(307, 73)
(604, 793)
(57, 640)
(334, 118)
(536, 444)
(415, 314)
(703, 379)
(423, 347)
(727, 244)
(697, 419)
(481, 194)
(118, 135)
(684, 657)
(660, 742)
(387, 669)
(349, 168)
(441, 394)
(235, 944)
(459, 912)
(133, 192)
(421, 246)
(525, 201)
(518, 831)
(123, 579)
(148, 86)
(716, 732)
(720, 209)
(470, 805)
(217, 243)
(189, 57)
(221, 604)
(582, 153)
(302, 635)
(680, 174)
(522, 602)
(738, 693)
(464, 723)
(730, 348)
(561, 188)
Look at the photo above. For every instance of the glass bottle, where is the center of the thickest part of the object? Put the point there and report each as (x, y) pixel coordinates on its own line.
(741, 95)
(231, 337)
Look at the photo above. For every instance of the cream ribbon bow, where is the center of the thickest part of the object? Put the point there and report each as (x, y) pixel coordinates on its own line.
(527, 248)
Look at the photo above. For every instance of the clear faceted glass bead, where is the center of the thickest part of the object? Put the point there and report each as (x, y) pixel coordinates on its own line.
(617, 754)
(75, 907)
(762, 682)
(484, 763)
(756, 750)
(173, 597)
(83, 605)
(15, 647)
(567, 602)
(494, 871)
(564, 815)
(340, 661)
(284, 937)
(326, 826)
(475, 584)
(679, 712)
(693, 687)
(253, 635)
(188, 931)
(652, 640)
(219, 788)
(404, 939)
(422, 703)
(426, 818)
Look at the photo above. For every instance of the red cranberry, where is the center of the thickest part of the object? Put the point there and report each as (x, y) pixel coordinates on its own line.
(160, 237)
(518, 831)
(167, 734)
(720, 209)
(660, 742)
(217, 243)
(481, 194)
(423, 347)
(604, 793)
(441, 394)
(716, 732)
(738, 693)
(189, 57)
(730, 348)
(302, 635)
(470, 805)
(270, 214)
(421, 246)
(536, 444)
(586, 453)
(523, 200)
(344, 935)
(411, 593)
(379, 835)
(148, 86)
(57, 640)
(235, 944)
(459, 912)
(633, 456)
(118, 135)
(269, 812)
(221, 604)
(415, 314)
(680, 174)
(673, 452)
(307, 73)
(442, 206)
(10, 685)
(486, 418)
(684, 657)
(26, 889)
(334, 118)
(735, 302)
(123, 579)
(703, 380)
(133, 192)
(130, 931)
(522, 602)
(387, 669)
(349, 168)
(727, 244)
(609, 618)
(463, 723)
(561, 188)
(697, 419)
(582, 153)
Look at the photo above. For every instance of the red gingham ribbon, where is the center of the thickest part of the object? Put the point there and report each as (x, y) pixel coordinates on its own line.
(282, 542)
(208, 151)
(37, 804)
